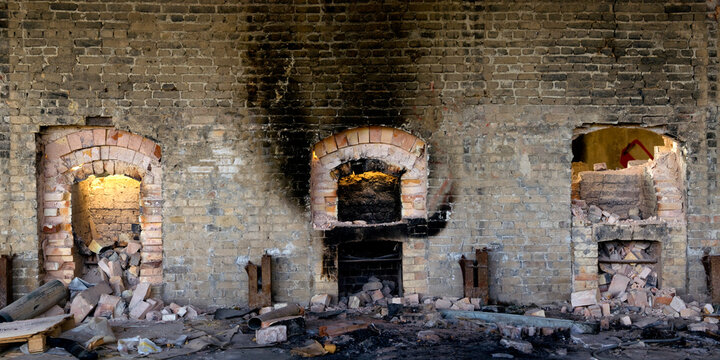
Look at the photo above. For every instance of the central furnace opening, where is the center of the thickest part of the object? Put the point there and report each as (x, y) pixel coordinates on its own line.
(368, 191)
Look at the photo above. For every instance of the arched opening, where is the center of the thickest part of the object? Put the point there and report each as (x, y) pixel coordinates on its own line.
(628, 173)
(629, 207)
(78, 164)
(614, 146)
(364, 162)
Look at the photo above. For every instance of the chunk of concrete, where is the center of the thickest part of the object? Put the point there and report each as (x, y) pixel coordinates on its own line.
(584, 298)
(412, 299)
(428, 335)
(703, 327)
(133, 247)
(372, 286)
(353, 302)
(605, 309)
(321, 299)
(689, 313)
(140, 310)
(677, 304)
(271, 335)
(618, 285)
(106, 306)
(708, 309)
(535, 312)
(443, 304)
(519, 345)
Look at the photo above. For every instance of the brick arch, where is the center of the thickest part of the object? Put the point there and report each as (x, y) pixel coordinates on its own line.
(70, 156)
(393, 146)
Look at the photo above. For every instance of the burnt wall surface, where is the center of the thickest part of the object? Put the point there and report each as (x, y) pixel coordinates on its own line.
(236, 93)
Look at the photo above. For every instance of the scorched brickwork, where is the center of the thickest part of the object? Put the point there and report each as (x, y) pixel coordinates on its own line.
(236, 93)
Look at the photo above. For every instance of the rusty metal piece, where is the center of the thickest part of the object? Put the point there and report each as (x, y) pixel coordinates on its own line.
(714, 277)
(260, 283)
(476, 275)
(342, 328)
(6, 294)
(290, 310)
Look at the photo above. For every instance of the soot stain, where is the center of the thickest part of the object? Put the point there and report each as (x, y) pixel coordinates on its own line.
(308, 80)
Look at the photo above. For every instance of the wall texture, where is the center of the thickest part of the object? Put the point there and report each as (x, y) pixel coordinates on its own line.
(237, 93)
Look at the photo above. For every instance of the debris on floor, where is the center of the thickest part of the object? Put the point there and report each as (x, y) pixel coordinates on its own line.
(375, 323)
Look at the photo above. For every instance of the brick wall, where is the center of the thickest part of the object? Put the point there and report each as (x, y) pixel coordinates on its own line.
(236, 94)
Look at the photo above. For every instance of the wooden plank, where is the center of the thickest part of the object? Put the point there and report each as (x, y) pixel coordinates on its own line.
(37, 344)
(5, 281)
(23, 330)
(252, 284)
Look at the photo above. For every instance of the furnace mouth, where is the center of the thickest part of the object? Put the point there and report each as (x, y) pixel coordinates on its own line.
(368, 192)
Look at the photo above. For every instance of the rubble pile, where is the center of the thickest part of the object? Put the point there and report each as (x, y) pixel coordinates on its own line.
(374, 292)
(112, 289)
(626, 296)
(639, 275)
(117, 263)
(593, 214)
(104, 300)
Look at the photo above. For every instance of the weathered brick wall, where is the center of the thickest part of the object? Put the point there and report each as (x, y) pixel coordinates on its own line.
(236, 94)
(4, 121)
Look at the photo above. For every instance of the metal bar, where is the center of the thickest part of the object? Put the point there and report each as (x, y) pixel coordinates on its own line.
(521, 320)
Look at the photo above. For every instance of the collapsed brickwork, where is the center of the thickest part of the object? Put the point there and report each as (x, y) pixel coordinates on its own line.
(236, 95)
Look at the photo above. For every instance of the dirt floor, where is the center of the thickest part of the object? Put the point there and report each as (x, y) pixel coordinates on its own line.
(451, 339)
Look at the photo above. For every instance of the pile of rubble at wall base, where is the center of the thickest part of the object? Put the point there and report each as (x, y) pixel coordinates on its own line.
(112, 289)
(379, 293)
(102, 300)
(623, 298)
